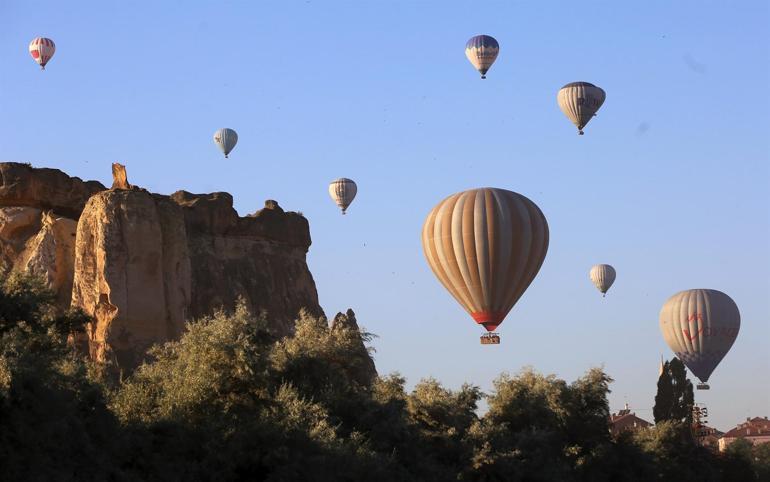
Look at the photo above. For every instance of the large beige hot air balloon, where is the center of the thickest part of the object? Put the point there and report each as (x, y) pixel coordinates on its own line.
(700, 326)
(579, 101)
(485, 246)
(602, 276)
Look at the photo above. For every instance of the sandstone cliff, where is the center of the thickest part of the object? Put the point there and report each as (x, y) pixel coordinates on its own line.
(141, 264)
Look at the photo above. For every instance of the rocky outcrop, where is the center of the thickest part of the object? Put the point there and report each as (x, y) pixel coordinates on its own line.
(50, 254)
(38, 216)
(141, 264)
(132, 273)
(39, 242)
(347, 321)
(46, 189)
(259, 258)
(120, 177)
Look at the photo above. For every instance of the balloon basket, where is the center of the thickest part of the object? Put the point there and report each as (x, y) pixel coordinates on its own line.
(703, 386)
(490, 339)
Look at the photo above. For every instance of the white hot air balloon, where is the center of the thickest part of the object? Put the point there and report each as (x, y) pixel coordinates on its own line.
(42, 49)
(226, 139)
(343, 191)
(579, 101)
(700, 326)
(602, 276)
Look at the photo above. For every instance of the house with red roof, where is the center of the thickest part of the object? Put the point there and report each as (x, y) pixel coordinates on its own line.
(756, 430)
(626, 420)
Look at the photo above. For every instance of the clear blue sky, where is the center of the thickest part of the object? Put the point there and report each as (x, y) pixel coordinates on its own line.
(669, 184)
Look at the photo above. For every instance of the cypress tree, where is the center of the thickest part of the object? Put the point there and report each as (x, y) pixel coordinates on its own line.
(675, 398)
(684, 399)
(664, 399)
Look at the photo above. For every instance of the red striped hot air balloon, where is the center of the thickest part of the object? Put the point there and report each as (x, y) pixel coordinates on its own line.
(486, 246)
(42, 49)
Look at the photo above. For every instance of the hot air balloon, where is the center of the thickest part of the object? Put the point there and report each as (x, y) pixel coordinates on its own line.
(602, 276)
(226, 139)
(343, 191)
(482, 51)
(700, 326)
(42, 49)
(486, 246)
(579, 101)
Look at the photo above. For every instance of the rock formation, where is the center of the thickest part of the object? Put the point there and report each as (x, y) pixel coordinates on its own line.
(141, 264)
(45, 189)
(119, 177)
(132, 273)
(347, 321)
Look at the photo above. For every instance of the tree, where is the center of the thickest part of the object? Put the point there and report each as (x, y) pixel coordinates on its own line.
(542, 428)
(664, 398)
(53, 416)
(231, 401)
(675, 399)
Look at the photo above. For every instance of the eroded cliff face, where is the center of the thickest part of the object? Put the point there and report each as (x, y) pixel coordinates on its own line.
(260, 258)
(132, 273)
(142, 264)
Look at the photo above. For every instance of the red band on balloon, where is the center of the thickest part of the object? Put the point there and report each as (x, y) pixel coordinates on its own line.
(489, 319)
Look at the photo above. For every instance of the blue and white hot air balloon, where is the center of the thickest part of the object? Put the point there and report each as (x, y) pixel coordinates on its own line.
(482, 51)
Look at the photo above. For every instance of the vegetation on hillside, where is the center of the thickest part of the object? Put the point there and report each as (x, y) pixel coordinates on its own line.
(231, 401)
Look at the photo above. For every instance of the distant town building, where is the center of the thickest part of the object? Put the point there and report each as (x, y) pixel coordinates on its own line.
(756, 430)
(626, 420)
(709, 437)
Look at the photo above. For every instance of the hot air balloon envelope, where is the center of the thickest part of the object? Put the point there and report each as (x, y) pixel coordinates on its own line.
(602, 276)
(343, 191)
(482, 51)
(700, 326)
(579, 101)
(226, 139)
(42, 49)
(485, 246)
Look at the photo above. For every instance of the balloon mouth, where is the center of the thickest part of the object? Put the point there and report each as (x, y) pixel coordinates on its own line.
(490, 320)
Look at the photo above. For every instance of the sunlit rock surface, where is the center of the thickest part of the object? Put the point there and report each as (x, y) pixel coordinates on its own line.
(141, 264)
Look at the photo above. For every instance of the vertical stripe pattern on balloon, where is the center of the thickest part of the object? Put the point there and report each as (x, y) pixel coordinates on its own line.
(700, 326)
(602, 276)
(226, 139)
(580, 101)
(485, 246)
(343, 191)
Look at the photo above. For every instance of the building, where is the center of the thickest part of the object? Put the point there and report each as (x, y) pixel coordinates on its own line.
(709, 437)
(626, 420)
(756, 430)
